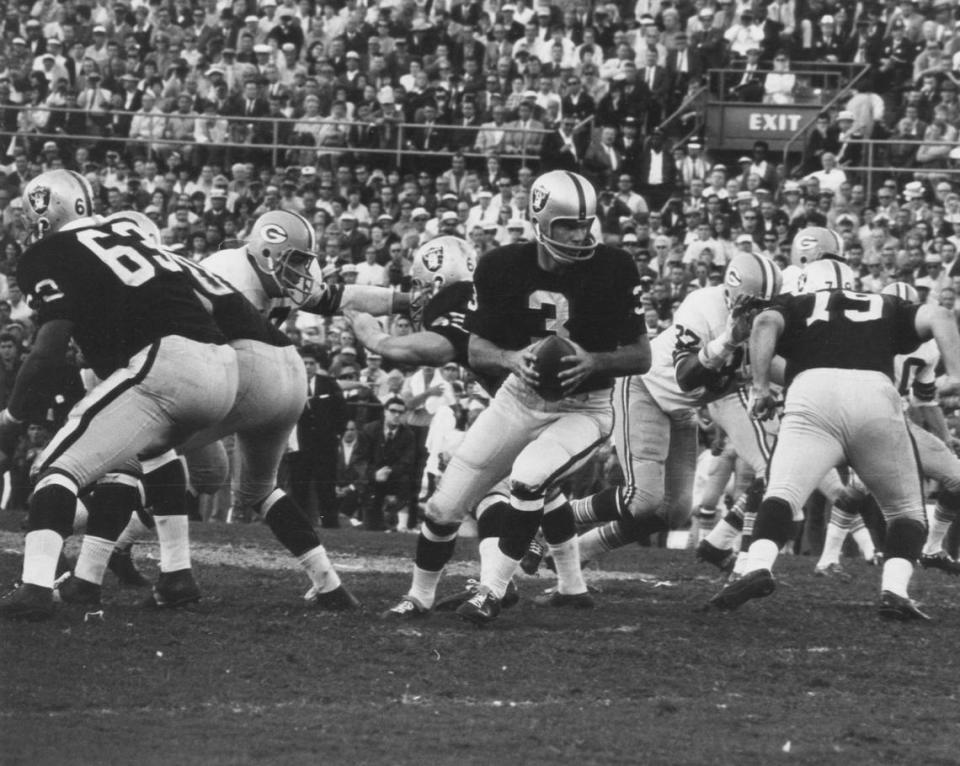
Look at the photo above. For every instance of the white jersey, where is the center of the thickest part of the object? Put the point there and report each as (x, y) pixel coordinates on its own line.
(235, 266)
(701, 318)
(915, 375)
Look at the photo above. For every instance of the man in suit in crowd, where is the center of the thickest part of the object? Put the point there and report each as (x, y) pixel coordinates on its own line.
(654, 90)
(523, 137)
(603, 161)
(657, 172)
(351, 489)
(564, 149)
(318, 433)
(390, 457)
(577, 102)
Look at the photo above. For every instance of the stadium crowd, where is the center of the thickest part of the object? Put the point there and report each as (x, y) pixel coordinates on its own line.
(388, 124)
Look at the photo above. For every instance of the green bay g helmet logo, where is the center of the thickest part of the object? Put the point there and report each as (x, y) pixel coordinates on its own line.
(733, 278)
(273, 233)
(538, 198)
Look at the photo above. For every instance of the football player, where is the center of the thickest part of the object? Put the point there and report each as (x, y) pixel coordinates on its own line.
(167, 369)
(270, 400)
(915, 379)
(566, 284)
(841, 406)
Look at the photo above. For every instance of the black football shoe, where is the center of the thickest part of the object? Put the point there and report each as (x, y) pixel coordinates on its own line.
(407, 608)
(894, 607)
(757, 584)
(174, 589)
(565, 600)
(722, 558)
(451, 603)
(337, 600)
(32, 603)
(74, 590)
(482, 609)
(531, 560)
(940, 560)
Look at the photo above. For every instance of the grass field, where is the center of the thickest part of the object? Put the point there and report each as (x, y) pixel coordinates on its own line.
(808, 676)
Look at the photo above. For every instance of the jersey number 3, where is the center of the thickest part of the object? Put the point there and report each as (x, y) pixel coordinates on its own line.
(554, 308)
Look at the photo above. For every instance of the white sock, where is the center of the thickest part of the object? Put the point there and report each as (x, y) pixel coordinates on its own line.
(938, 530)
(41, 550)
(832, 545)
(488, 546)
(864, 541)
(501, 572)
(403, 518)
(318, 567)
(94, 556)
(762, 555)
(566, 558)
(424, 586)
(896, 576)
(80, 517)
(135, 531)
(723, 535)
(174, 535)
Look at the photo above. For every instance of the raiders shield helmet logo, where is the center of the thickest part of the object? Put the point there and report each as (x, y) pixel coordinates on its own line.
(433, 258)
(538, 198)
(39, 199)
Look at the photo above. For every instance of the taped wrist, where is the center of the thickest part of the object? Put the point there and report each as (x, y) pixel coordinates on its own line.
(717, 352)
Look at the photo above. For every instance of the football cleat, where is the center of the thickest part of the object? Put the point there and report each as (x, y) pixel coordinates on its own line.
(940, 560)
(337, 600)
(32, 603)
(451, 603)
(174, 589)
(121, 564)
(565, 600)
(481, 609)
(722, 558)
(894, 607)
(833, 572)
(756, 584)
(74, 590)
(532, 559)
(408, 608)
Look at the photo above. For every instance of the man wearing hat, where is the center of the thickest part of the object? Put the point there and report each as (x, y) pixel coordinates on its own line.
(745, 34)
(684, 65)
(287, 31)
(95, 101)
(747, 80)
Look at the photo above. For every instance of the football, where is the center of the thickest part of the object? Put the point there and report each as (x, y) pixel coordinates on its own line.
(549, 352)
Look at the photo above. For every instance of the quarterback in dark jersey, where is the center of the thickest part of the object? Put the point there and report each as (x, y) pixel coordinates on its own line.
(270, 399)
(563, 284)
(168, 371)
(841, 406)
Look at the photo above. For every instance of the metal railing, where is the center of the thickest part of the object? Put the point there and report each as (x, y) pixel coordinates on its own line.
(401, 147)
(678, 113)
(870, 170)
(832, 75)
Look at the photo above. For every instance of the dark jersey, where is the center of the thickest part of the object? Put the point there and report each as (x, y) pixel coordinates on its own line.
(845, 330)
(595, 303)
(444, 315)
(120, 293)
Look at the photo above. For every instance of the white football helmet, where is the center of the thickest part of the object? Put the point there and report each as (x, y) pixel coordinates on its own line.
(753, 276)
(436, 264)
(54, 199)
(564, 197)
(903, 290)
(140, 223)
(281, 245)
(813, 243)
(791, 280)
(826, 275)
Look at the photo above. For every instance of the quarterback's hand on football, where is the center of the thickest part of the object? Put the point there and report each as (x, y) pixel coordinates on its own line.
(581, 365)
(523, 364)
(948, 386)
(762, 403)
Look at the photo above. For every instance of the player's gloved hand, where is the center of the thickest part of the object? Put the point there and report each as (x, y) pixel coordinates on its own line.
(522, 363)
(582, 365)
(762, 403)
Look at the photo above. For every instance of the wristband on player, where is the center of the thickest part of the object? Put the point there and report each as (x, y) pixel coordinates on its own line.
(717, 352)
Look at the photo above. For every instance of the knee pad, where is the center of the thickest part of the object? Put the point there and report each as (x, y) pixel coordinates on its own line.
(525, 493)
(905, 538)
(774, 521)
(110, 505)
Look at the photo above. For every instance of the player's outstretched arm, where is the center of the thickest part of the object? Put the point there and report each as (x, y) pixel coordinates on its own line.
(374, 300)
(767, 328)
(419, 348)
(937, 323)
